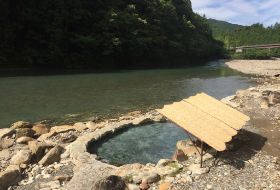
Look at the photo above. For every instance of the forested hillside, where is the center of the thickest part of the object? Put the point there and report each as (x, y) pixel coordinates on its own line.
(255, 34)
(223, 25)
(219, 27)
(102, 33)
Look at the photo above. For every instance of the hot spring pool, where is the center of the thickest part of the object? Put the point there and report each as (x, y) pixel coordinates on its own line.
(143, 144)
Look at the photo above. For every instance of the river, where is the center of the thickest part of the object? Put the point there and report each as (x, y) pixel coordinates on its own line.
(67, 96)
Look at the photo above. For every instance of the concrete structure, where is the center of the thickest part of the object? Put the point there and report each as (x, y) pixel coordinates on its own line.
(267, 46)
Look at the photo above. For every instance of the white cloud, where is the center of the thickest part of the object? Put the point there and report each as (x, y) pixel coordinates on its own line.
(244, 12)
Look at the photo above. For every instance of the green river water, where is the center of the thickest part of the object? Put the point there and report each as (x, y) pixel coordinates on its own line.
(63, 96)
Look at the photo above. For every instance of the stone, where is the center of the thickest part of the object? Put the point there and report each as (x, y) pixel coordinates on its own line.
(25, 132)
(68, 139)
(62, 129)
(165, 186)
(266, 93)
(4, 153)
(63, 177)
(187, 178)
(209, 186)
(169, 179)
(6, 143)
(11, 176)
(21, 124)
(47, 135)
(41, 129)
(46, 176)
(7, 132)
(144, 186)
(80, 126)
(152, 178)
(38, 148)
(195, 169)
(36, 171)
(134, 113)
(23, 166)
(191, 151)
(19, 147)
(24, 140)
(179, 156)
(184, 144)
(141, 120)
(159, 119)
(52, 156)
(91, 125)
(264, 103)
(162, 162)
(22, 157)
(50, 184)
(127, 117)
(133, 187)
(110, 182)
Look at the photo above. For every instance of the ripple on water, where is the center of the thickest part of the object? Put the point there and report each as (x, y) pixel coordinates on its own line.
(144, 144)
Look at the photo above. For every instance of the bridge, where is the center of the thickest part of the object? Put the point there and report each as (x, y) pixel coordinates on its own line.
(267, 46)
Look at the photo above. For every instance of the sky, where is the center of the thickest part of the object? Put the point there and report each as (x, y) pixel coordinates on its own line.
(243, 12)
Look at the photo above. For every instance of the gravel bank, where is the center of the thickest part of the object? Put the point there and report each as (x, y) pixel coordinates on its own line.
(256, 67)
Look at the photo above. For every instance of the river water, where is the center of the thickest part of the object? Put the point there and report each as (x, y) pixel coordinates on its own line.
(68, 96)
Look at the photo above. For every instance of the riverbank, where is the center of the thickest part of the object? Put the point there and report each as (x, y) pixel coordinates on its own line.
(59, 160)
(255, 67)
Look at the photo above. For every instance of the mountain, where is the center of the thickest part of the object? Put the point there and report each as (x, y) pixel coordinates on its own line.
(223, 25)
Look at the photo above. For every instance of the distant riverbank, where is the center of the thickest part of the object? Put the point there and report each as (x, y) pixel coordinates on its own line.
(256, 67)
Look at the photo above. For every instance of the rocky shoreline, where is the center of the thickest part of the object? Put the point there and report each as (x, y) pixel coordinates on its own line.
(45, 157)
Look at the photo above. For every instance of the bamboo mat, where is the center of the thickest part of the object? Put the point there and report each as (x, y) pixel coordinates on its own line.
(206, 118)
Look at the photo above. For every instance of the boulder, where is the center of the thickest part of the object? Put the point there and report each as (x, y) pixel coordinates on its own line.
(159, 118)
(141, 120)
(51, 185)
(190, 151)
(62, 129)
(6, 143)
(133, 187)
(25, 132)
(144, 186)
(179, 156)
(36, 171)
(91, 125)
(165, 186)
(69, 139)
(62, 178)
(266, 93)
(264, 103)
(52, 156)
(4, 153)
(21, 124)
(24, 140)
(7, 132)
(152, 178)
(112, 182)
(11, 176)
(80, 126)
(162, 162)
(184, 144)
(195, 169)
(41, 129)
(38, 148)
(22, 157)
(43, 137)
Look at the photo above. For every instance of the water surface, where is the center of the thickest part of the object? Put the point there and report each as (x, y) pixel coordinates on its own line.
(33, 95)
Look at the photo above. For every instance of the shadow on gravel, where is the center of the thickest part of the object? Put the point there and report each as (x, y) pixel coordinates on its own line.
(242, 152)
